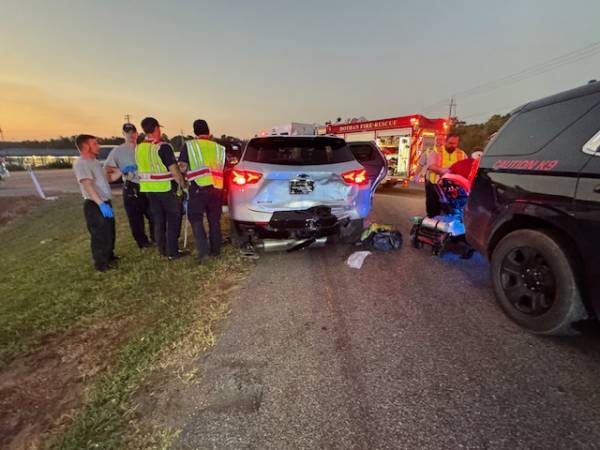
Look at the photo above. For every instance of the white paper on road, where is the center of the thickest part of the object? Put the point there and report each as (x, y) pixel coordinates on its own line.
(356, 259)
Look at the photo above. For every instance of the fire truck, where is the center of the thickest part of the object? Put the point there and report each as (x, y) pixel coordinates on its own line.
(402, 139)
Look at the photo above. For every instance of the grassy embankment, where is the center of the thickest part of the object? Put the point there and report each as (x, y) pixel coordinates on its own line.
(48, 289)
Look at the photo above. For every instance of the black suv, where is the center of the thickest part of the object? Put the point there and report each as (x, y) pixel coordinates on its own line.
(534, 211)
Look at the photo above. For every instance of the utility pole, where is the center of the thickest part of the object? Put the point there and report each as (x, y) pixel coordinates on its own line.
(1, 134)
(452, 111)
(127, 118)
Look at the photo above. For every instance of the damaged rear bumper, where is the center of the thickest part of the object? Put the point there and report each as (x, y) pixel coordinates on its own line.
(314, 222)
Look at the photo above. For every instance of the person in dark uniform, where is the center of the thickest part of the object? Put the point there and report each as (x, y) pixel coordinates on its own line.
(203, 161)
(160, 179)
(121, 163)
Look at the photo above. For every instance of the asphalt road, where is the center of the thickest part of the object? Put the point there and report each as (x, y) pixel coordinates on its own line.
(410, 351)
(53, 182)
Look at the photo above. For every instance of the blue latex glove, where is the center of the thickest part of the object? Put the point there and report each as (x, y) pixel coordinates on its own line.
(106, 211)
(129, 169)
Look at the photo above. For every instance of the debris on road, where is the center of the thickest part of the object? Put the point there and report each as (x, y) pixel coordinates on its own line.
(356, 259)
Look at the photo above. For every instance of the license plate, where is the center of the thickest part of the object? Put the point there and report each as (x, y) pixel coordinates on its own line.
(301, 185)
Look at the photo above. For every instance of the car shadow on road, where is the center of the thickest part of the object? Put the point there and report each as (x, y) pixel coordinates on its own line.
(586, 342)
(476, 271)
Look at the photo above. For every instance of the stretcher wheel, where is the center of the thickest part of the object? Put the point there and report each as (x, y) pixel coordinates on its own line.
(414, 237)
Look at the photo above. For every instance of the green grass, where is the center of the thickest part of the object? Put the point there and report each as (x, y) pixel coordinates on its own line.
(49, 288)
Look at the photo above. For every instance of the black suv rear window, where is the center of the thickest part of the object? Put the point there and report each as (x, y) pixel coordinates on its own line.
(362, 152)
(529, 131)
(298, 151)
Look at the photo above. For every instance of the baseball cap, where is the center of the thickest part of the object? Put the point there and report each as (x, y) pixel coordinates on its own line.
(201, 127)
(149, 124)
(129, 128)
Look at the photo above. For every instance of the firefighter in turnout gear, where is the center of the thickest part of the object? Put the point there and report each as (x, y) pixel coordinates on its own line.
(203, 162)
(161, 179)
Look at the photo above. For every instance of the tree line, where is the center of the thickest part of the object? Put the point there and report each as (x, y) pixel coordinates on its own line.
(475, 136)
(62, 143)
(68, 142)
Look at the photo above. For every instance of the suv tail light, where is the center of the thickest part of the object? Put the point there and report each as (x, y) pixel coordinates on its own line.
(242, 177)
(358, 177)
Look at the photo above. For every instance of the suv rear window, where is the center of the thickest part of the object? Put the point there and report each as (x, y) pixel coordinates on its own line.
(529, 131)
(362, 152)
(298, 151)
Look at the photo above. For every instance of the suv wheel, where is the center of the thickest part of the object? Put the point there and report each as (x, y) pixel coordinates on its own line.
(351, 232)
(535, 282)
(237, 239)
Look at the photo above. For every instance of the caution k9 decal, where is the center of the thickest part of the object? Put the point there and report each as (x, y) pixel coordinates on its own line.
(545, 165)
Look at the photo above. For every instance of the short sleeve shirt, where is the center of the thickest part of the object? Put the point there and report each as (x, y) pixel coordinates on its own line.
(121, 157)
(92, 169)
(435, 158)
(167, 155)
(183, 155)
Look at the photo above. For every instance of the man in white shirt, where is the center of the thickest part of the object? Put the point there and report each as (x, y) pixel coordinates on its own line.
(97, 208)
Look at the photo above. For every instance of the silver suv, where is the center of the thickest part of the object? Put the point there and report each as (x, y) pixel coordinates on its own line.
(299, 189)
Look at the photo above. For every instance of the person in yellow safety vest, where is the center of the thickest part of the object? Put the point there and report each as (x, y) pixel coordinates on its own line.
(203, 161)
(160, 179)
(437, 165)
(424, 158)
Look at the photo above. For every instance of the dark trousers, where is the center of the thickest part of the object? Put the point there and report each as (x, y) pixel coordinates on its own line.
(205, 201)
(165, 208)
(102, 232)
(432, 200)
(137, 207)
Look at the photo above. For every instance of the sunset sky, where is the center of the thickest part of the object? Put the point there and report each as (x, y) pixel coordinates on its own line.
(69, 67)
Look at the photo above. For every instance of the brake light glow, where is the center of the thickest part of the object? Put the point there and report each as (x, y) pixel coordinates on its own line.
(358, 177)
(242, 177)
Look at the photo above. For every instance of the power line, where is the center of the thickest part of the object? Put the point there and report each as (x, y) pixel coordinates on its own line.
(495, 110)
(528, 72)
(532, 71)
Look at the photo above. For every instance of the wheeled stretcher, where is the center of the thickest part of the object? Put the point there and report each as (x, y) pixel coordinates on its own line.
(447, 230)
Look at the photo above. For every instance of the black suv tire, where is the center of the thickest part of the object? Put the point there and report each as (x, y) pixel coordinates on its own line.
(234, 234)
(351, 232)
(544, 260)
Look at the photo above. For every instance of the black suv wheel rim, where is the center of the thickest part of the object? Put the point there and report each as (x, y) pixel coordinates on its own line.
(528, 281)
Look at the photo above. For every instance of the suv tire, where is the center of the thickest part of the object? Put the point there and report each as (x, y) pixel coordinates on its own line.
(352, 231)
(526, 258)
(235, 235)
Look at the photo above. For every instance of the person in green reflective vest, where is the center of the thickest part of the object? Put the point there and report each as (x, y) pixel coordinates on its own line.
(160, 179)
(203, 161)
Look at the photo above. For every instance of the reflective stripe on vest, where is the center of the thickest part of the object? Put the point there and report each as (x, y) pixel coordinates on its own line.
(447, 160)
(206, 161)
(154, 175)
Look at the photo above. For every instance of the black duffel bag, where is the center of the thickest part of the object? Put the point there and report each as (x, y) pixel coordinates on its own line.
(382, 239)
